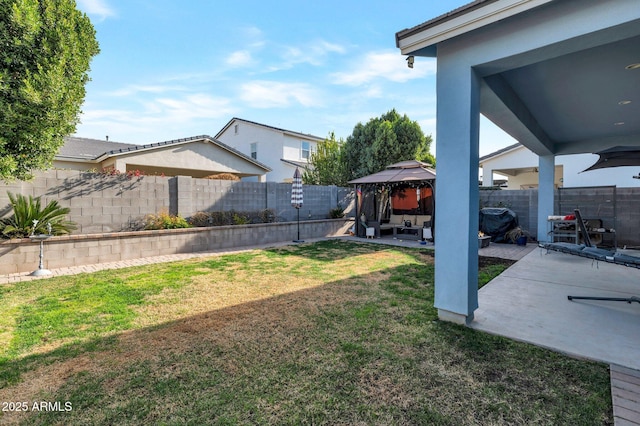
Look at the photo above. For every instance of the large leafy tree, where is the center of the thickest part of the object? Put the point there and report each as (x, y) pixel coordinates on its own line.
(385, 140)
(45, 50)
(327, 164)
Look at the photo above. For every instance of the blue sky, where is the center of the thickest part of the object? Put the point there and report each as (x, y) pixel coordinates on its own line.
(172, 69)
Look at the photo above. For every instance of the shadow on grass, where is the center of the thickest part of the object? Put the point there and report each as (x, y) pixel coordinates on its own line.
(367, 349)
(573, 391)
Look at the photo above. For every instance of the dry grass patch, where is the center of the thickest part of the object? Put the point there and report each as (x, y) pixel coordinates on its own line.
(326, 333)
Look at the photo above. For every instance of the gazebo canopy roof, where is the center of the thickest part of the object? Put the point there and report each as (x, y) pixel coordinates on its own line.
(410, 171)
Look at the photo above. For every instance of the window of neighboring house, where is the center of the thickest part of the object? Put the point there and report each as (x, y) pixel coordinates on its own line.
(304, 150)
(254, 150)
(235, 129)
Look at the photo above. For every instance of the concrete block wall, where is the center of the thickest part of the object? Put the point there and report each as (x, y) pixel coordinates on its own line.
(98, 203)
(593, 202)
(22, 255)
(102, 203)
(523, 202)
(628, 216)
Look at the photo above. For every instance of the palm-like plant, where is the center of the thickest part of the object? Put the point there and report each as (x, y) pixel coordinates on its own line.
(30, 218)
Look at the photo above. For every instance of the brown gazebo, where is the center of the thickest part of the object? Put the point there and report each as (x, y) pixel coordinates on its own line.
(394, 191)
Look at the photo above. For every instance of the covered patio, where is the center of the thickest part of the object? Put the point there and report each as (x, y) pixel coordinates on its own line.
(528, 302)
(561, 77)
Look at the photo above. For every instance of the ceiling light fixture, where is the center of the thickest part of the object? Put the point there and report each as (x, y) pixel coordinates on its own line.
(633, 66)
(619, 123)
(625, 102)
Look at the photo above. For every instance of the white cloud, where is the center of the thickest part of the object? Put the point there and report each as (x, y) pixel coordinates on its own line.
(239, 58)
(321, 46)
(158, 116)
(97, 8)
(134, 89)
(314, 53)
(191, 107)
(274, 94)
(384, 65)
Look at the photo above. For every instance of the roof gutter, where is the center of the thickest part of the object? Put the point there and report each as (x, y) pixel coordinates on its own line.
(480, 13)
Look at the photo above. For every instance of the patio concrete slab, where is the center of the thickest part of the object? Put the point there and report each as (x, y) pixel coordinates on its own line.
(528, 302)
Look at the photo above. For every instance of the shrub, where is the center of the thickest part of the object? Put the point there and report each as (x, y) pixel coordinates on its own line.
(336, 213)
(267, 216)
(164, 220)
(200, 219)
(220, 218)
(240, 219)
(29, 217)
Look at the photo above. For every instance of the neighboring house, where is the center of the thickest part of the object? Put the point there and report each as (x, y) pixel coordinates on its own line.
(520, 166)
(197, 156)
(282, 150)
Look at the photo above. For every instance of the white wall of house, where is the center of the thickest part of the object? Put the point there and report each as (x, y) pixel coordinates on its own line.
(520, 166)
(574, 164)
(273, 145)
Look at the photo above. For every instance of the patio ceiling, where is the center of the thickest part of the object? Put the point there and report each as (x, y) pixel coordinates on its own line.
(583, 101)
(580, 94)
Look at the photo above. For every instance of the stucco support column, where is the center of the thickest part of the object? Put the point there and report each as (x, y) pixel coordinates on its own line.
(487, 177)
(546, 178)
(457, 198)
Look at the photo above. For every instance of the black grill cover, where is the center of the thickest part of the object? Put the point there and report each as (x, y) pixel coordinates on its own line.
(496, 222)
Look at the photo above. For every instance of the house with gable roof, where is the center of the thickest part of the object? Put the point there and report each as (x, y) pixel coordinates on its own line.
(280, 149)
(196, 156)
(519, 165)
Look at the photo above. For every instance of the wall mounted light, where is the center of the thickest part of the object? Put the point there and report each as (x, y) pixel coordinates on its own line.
(410, 60)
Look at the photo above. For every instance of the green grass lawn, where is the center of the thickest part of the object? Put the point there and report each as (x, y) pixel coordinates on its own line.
(325, 333)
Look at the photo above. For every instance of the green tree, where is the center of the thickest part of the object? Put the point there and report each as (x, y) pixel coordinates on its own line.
(327, 164)
(45, 50)
(385, 140)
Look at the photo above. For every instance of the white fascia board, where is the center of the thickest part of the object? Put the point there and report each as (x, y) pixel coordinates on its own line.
(303, 136)
(502, 154)
(478, 18)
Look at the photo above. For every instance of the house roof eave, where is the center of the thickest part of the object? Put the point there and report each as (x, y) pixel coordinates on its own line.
(284, 131)
(501, 151)
(423, 38)
(131, 149)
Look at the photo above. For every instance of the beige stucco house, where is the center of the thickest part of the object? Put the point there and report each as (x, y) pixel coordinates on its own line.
(197, 156)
